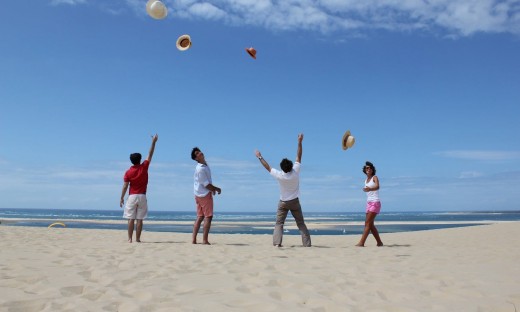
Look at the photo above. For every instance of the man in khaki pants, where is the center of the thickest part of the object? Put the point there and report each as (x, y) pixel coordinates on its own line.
(289, 181)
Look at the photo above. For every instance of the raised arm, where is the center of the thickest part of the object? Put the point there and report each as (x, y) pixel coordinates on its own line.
(300, 149)
(152, 148)
(262, 160)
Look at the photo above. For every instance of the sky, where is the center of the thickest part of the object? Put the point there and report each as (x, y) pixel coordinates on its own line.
(429, 89)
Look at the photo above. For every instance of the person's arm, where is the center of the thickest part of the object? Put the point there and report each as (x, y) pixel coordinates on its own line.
(204, 176)
(125, 187)
(376, 182)
(300, 148)
(262, 160)
(376, 186)
(152, 148)
(214, 189)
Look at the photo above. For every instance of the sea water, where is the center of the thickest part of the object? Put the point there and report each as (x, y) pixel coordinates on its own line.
(331, 223)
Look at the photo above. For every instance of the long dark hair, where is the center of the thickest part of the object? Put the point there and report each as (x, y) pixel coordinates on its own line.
(371, 165)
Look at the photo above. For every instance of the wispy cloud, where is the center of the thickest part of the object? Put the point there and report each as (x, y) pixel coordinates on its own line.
(69, 2)
(480, 155)
(470, 174)
(247, 185)
(450, 17)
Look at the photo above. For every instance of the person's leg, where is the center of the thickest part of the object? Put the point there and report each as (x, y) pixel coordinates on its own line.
(141, 213)
(138, 231)
(130, 229)
(206, 204)
(375, 232)
(198, 221)
(205, 233)
(369, 220)
(130, 214)
(296, 211)
(281, 215)
(196, 227)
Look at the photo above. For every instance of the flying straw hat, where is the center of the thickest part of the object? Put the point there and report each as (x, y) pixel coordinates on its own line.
(348, 140)
(156, 9)
(251, 52)
(184, 42)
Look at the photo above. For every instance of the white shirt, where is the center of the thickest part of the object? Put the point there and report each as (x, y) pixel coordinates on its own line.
(201, 178)
(289, 182)
(372, 196)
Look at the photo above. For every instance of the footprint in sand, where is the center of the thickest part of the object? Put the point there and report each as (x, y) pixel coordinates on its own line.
(71, 291)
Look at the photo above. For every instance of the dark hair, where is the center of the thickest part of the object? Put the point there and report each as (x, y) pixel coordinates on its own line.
(371, 165)
(286, 165)
(135, 158)
(193, 152)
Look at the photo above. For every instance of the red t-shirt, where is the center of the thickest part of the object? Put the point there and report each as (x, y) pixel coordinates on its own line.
(138, 178)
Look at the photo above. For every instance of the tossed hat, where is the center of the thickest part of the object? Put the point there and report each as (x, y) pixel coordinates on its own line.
(184, 42)
(348, 140)
(156, 9)
(251, 52)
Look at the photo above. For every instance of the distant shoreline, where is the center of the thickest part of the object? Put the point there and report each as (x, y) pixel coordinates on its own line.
(322, 223)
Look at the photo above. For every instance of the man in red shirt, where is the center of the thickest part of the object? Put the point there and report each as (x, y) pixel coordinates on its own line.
(136, 207)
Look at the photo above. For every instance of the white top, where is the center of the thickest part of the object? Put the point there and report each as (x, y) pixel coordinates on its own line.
(289, 182)
(372, 196)
(201, 178)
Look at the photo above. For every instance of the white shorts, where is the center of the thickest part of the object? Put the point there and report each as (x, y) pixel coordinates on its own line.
(136, 207)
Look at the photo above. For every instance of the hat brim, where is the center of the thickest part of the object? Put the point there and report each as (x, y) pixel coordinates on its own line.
(251, 53)
(344, 140)
(148, 6)
(180, 39)
(149, 10)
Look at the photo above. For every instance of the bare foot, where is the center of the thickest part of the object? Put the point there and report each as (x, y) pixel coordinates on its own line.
(138, 240)
(129, 240)
(194, 242)
(206, 243)
(278, 245)
(380, 245)
(360, 245)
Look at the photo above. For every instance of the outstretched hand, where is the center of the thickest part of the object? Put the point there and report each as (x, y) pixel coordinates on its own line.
(300, 137)
(258, 154)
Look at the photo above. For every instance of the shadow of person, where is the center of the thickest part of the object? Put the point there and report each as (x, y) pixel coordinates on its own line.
(397, 245)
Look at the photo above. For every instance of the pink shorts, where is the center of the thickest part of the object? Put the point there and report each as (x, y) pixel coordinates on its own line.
(204, 205)
(374, 207)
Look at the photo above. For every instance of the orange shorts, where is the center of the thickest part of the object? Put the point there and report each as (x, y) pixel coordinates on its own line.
(204, 205)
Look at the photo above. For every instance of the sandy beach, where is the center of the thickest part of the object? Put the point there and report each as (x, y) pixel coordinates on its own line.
(473, 268)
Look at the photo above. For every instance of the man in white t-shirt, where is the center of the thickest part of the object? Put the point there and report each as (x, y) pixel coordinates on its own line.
(203, 190)
(289, 181)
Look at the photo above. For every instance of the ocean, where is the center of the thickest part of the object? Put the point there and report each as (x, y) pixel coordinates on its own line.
(319, 223)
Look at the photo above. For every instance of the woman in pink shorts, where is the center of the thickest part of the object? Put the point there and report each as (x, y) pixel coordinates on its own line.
(373, 204)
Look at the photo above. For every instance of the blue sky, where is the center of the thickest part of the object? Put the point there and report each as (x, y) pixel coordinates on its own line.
(430, 90)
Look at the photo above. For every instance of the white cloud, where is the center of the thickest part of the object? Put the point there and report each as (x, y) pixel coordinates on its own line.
(247, 185)
(443, 17)
(470, 174)
(480, 155)
(450, 17)
(69, 2)
(206, 11)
